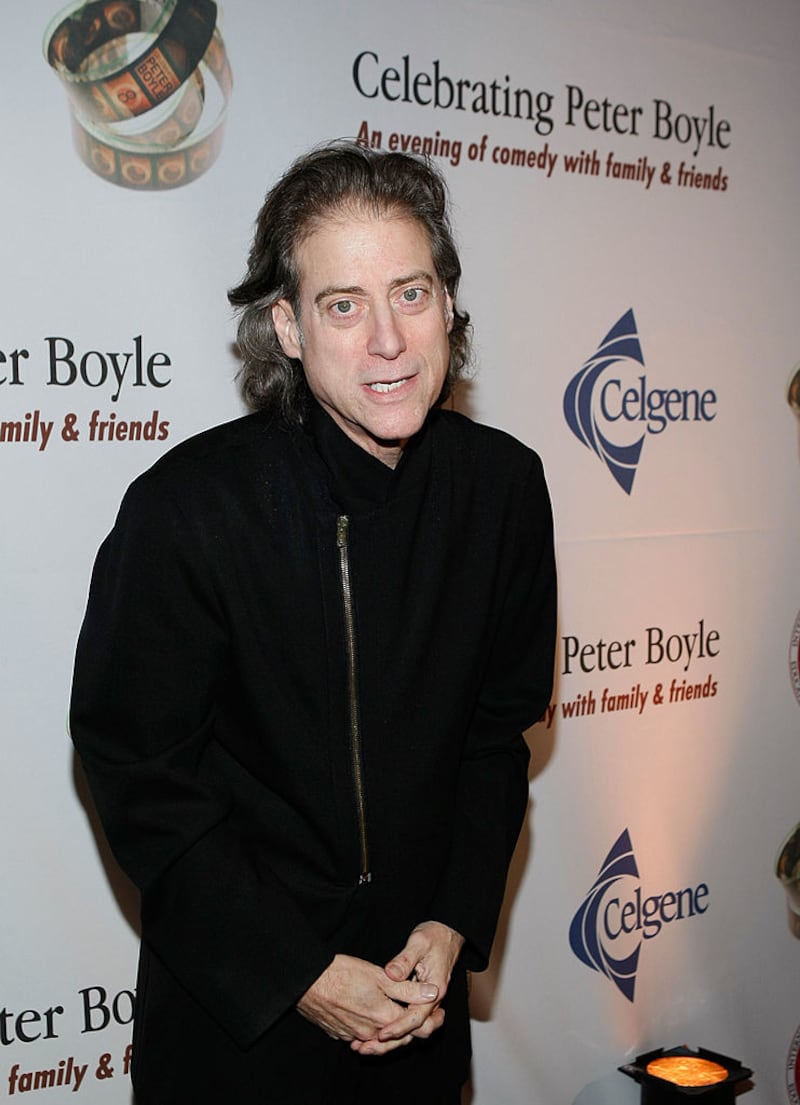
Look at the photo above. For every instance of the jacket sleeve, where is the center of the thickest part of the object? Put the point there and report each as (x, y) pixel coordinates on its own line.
(492, 795)
(151, 653)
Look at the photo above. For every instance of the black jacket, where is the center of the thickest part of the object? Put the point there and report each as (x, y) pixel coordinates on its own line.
(216, 694)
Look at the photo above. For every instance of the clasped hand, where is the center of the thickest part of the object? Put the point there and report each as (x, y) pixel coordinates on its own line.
(378, 1009)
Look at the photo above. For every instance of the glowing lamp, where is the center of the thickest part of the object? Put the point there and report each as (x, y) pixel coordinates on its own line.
(669, 1077)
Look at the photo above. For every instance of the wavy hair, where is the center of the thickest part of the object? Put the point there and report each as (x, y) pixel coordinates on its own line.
(339, 177)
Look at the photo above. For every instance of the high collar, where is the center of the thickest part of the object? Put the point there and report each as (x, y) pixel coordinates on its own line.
(358, 480)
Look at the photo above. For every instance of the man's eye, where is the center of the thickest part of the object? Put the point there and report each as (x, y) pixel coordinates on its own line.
(343, 306)
(413, 295)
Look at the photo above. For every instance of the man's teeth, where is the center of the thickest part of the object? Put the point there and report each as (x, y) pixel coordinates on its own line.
(387, 387)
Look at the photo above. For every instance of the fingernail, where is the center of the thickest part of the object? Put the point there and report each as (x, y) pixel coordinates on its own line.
(428, 991)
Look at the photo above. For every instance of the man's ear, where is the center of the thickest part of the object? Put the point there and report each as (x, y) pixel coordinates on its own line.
(448, 310)
(287, 329)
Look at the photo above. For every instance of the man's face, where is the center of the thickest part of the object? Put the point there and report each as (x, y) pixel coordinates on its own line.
(372, 327)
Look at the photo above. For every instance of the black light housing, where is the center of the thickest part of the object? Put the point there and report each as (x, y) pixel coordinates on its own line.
(659, 1091)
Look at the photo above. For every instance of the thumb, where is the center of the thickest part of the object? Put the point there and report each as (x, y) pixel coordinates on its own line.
(413, 993)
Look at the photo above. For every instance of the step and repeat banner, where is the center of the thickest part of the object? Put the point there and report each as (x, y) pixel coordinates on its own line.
(624, 179)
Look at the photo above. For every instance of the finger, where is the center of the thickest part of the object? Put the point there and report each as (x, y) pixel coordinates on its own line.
(400, 968)
(409, 1022)
(411, 993)
(405, 962)
(430, 1024)
(379, 1047)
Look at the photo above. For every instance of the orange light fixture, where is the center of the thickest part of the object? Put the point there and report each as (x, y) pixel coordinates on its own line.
(669, 1077)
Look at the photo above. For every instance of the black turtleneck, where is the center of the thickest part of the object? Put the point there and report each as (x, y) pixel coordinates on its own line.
(359, 480)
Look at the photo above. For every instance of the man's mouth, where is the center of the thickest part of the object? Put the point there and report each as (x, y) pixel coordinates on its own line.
(386, 387)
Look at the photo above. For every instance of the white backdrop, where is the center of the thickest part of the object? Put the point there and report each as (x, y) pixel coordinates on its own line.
(703, 543)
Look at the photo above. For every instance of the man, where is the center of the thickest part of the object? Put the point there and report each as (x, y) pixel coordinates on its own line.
(313, 640)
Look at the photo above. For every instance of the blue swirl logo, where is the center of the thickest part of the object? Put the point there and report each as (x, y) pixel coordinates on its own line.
(586, 929)
(615, 919)
(621, 343)
(611, 390)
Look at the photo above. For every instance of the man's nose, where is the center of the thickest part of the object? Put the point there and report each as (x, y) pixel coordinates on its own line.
(386, 338)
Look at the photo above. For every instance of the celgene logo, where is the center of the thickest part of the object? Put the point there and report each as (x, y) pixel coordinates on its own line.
(608, 930)
(610, 400)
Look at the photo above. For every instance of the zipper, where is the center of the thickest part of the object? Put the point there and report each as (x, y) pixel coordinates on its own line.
(342, 523)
